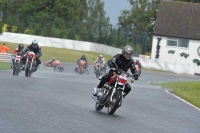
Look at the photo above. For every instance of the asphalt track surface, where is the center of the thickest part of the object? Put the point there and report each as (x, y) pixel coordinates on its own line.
(53, 102)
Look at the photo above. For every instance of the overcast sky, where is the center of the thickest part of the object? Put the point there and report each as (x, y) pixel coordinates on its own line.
(113, 9)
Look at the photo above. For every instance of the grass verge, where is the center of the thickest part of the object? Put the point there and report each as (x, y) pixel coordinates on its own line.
(189, 91)
(4, 66)
(62, 54)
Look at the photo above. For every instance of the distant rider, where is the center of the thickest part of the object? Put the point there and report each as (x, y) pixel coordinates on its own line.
(34, 47)
(102, 61)
(18, 51)
(139, 65)
(124, 61)
(50, 62)
(82, 58)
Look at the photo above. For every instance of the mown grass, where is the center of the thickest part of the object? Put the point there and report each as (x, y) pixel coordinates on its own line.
(4, 66)
(189, 91)
(62, 54)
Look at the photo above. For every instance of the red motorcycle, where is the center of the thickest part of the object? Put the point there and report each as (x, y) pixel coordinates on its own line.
(16, 64)
(112, 93)
(30, 63)
(138, 66)
(56, 65)
(82, 67)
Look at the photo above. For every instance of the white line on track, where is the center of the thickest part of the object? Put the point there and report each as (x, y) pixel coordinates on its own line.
(167, 91)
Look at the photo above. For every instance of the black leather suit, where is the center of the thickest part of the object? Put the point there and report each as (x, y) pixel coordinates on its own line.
(123, 64)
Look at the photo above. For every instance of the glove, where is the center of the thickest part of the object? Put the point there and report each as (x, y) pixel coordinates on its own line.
(135, 76)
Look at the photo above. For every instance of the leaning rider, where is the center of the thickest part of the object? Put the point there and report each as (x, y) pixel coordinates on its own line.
(50, 62)
(34, 47)
(123, 61)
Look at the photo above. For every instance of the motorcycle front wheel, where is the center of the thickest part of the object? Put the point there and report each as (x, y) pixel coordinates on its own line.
(98, 107)
(114, 104)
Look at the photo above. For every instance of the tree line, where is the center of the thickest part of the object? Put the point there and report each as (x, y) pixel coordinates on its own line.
(83, 20)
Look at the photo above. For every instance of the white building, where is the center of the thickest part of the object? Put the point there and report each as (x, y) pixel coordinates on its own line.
(178, 28)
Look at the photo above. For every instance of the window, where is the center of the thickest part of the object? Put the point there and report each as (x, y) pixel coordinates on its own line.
(177, 42)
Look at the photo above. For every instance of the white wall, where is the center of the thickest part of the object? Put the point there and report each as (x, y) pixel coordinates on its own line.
(59, 43)
(165, 56)
(176, 58)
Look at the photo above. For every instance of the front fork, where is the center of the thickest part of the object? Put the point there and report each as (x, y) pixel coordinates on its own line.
(114, 92)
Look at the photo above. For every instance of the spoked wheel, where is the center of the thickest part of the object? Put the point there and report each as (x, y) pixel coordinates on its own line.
(114, 104)
(98, 107)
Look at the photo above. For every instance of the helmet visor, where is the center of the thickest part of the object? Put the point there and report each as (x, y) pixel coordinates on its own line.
(127, 56)
(34, 45)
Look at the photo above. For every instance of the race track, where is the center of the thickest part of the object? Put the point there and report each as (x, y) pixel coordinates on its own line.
(53, 102)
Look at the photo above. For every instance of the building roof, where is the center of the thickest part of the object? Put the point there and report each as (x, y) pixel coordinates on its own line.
(178, 19)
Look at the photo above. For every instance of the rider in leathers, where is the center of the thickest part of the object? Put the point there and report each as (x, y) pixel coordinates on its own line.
(34, 47)
(124, 61)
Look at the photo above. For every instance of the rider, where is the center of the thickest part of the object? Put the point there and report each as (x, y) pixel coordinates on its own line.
(124, 61)
(51, 61)
(82, 58)
(18, 51)
(102, 61)
(139, 65)
(36, 49)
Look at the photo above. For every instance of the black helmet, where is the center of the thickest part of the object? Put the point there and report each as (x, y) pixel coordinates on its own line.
(127, 52)
(83, 57)
(20, 46)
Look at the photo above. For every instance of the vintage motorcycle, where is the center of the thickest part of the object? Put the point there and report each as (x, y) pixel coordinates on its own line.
(98, 69)
(56, 65)
(137, 66)
(111, 95)
(82, 67)
(30, 63)
(16, 64)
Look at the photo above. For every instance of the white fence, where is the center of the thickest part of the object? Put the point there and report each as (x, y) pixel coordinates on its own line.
(59, 43)
(5, 57)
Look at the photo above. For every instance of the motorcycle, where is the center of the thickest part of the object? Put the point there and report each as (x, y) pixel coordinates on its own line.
(56, 65)
(111, 95)
(16, 65)
(82, 67)
(30, 63)
(98, 69)
(138, 67)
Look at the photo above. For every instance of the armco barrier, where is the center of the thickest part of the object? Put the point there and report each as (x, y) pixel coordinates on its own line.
(59, 43)
(5, 57)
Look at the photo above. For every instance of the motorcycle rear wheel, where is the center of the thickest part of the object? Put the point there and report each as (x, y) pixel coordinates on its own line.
(114, 104)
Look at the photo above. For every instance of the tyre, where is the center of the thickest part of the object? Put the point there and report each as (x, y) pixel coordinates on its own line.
(60, 69)
(15, 70)
(114, 104)
(98, 107)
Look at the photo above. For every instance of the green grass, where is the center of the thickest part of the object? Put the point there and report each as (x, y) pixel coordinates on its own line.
(62, 54)
(5, 66)
(189, 91)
